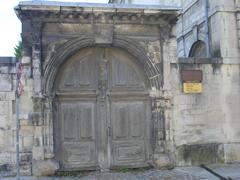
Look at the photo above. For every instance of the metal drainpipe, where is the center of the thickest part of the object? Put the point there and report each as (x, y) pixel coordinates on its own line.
(207, 29)
(17, 122)
(183, 36)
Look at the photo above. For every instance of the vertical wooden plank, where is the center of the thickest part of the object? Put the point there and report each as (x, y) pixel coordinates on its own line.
(121, 122)
(86, 119)
(136, 118)
(70, 130)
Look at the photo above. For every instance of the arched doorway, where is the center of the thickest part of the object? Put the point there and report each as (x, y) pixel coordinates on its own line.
(102, 117)
(198, 50)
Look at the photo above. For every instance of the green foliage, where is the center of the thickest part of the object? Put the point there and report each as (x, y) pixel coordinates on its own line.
(70, 173)
(126, 169)
(18, 50)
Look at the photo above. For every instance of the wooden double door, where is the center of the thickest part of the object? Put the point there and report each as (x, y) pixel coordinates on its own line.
(102, 114)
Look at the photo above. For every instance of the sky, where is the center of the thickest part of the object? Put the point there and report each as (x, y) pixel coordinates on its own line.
(10, 26)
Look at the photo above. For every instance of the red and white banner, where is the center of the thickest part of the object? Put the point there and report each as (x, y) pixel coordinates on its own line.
(19, 88)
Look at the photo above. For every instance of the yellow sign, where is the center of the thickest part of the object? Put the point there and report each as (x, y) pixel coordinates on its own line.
(192, 87)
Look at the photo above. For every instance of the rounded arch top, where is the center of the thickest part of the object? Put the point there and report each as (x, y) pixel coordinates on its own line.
(198, 49)
(72, 46)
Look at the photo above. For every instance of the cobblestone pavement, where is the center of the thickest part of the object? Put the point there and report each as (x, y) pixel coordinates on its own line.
(230, 171)
(226, 171)
(187, 173)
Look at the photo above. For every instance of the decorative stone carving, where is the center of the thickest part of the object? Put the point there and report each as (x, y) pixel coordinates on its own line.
(103, 33)
(97, 16)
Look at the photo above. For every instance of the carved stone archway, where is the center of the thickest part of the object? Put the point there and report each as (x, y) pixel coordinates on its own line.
(72, 46)
(152, 72)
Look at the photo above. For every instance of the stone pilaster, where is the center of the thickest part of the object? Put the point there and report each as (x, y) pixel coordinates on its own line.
(36, 57)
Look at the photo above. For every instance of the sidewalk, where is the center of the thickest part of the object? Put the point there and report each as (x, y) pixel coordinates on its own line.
(231, 172)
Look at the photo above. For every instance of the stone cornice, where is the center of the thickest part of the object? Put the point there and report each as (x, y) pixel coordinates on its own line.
(55, 4)
(96, 14)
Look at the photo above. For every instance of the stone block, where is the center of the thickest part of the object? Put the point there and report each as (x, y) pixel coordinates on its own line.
(163, 162)
(27, 131)
(231, 153)
(35, 118)
(9, 69)
(25, 158)
(25, 169)
(37, 83)
(44, 168)
(26, 60)
(4, 107)
(38, 131)
(6, 170)
(23, 116)
(23, 122)
(49, 154)
(4, 96)
(5, 82)
(103, 34)
(38, 153)
(200, 154)
(28, 142)
(5, 158)
(3, 122)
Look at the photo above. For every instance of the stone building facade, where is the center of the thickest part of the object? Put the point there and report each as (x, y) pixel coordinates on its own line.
(103, 86)
(216, 111)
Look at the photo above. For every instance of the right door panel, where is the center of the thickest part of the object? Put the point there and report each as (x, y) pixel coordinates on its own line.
(128, 133)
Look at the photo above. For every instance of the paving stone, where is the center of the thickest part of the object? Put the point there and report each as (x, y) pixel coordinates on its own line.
(183, 173)
(231, 171)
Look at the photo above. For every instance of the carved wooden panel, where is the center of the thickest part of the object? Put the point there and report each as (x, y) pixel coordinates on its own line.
(77, 155)
(128, 153)
(79, 73)
(124, 74)
(103, 111)
(78, 134)
(129, 121)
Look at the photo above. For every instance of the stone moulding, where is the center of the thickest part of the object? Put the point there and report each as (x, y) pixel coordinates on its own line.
(152, 72)
(8, 60)
(72, 46)
(200, 60)
(105, 14)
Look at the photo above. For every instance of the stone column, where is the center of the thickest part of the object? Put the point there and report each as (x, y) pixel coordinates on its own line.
(43, 163)
(162, 103)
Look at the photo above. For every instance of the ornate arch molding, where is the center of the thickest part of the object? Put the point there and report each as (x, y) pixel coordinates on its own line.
(72, 46)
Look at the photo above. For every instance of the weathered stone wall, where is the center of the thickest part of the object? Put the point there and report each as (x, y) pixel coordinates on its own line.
(206, 125)
(7, 119)
(7, 97)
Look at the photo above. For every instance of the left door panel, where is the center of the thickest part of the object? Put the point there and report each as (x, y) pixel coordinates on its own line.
(78, 136)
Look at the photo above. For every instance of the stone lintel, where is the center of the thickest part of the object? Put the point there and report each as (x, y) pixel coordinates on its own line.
(200, 60)
(8, 60)
(54, 4)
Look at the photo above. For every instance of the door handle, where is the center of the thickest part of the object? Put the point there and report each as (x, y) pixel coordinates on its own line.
(109, 132)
